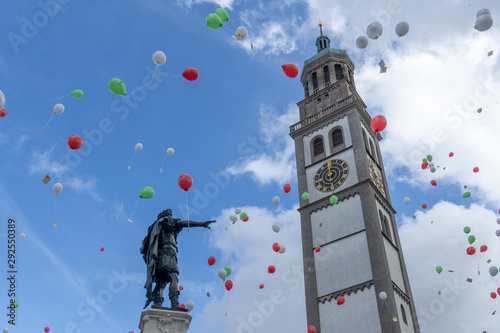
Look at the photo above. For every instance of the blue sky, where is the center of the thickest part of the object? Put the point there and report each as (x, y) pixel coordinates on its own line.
(229, 130)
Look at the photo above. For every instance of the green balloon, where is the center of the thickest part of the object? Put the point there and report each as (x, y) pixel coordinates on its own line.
(466, 194)
(243, 216)
(424, 160)
(305, 196)
(479, 110)
(147, 193)
(466, 230)
(222, 13)
(14, 305)
(472, 239)
(77, 93)
(429, 158)
(439, 269)
(228, 270)
(214, 21)
(334, 199)
(117, 87)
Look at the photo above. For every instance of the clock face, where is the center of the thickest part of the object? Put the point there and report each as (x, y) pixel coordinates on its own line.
(331, 175)
(375, 176)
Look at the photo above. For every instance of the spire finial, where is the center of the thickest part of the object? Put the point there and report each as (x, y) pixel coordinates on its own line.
(320, 27)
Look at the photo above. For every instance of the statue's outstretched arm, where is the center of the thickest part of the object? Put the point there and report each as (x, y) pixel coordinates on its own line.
(192, 224)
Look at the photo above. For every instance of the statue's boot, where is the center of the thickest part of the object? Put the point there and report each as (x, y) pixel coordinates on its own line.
(174, 299)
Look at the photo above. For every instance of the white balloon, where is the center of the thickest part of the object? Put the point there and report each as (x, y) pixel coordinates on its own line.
(276, 200)
(406, 200)
(189, 306)
(233, 217)
(5, 330)
(402, 29)
(493, 271)
(222, 274)
(138, 147)
(57, 188)
(362, 42)
(58, 108)
(433, 169)
(282, 248)
(237, 211)
(241, 33)
(483, 22)
(382, 295)
(498, 220)
(170, 151)
(482, 12)
(374, 30)
(159, 58)
(276, 228)
(2, 100)
(22, 235)
(497, 233)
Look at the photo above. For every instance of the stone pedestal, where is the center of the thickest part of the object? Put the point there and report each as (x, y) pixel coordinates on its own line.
(164, 321)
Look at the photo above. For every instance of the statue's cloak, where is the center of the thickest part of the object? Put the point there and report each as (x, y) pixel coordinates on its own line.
(149, 251)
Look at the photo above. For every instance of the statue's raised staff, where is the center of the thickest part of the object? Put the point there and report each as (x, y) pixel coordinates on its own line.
(159, 250)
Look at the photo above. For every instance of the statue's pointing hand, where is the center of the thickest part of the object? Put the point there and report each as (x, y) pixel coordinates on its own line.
(208, 223)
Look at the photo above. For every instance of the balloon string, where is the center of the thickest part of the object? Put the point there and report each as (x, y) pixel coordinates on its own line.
(59, 163)
(48, 122)
(55, 99)
(149, 83)
(187, 209)
(130, 219)
(133, 156)
(55, 210)
(388, 308)
(164, 159)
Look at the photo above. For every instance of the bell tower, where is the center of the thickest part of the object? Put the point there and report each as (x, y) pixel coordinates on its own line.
(360, 253)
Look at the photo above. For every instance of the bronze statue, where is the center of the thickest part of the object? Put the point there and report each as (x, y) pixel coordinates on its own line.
(159, 250)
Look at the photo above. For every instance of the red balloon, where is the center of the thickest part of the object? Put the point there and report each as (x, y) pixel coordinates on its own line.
(276, 247)
(493, 295)
(311, 329)
(290, 70)
(287, 188)
(424, 166)
(262, 286)
(102, 249)
(181, 288)
(246, 219)
(476, 169)
(75, 142)
(434, 183)
(181, 305)
(483, 248)
(378, 123)
(271, 269)
(424, 206)
(498, 291)
(47, 329)
(340, 300)
(190, 74)
(451, 154)
(185, 182)
(3, 113)
(471, 250)
(229, 285)
(318, 248)
(211, 261)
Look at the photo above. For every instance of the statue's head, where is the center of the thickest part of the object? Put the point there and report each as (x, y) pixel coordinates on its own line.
(165, 213)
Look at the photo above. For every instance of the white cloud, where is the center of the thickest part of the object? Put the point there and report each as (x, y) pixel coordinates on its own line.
(278, 163)
(41, 164)
(247, 248)
(436, 238)
(80, 185)
(222, 3)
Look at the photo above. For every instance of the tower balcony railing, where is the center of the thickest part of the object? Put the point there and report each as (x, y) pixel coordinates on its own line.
(322, 113)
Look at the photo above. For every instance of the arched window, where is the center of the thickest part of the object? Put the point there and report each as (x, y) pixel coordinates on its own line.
(366, 141)
(337, 137)
(372, 149)
(387, 230)
(307, 89)
(318, 147)
(403, 314)
(326, 72)
(315, 80)
(381, 220)
(339, 72)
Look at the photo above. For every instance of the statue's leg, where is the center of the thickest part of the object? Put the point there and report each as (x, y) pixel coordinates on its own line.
(158, 293)
(174, 290)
